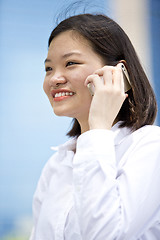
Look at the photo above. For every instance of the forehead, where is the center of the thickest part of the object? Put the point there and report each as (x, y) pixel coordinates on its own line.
(69, 40)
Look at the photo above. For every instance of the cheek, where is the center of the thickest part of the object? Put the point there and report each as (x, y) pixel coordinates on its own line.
(45, 86)
(81, 90)
(79, 79)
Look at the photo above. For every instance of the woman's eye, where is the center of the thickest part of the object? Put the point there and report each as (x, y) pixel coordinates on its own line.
(70, 63)
(47, 69)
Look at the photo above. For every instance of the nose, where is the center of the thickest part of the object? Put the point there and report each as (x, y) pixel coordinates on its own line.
(57, 79)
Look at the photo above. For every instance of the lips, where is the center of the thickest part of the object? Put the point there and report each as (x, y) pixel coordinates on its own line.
(61, 93)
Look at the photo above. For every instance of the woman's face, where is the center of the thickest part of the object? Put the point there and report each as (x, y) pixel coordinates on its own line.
(69, 62)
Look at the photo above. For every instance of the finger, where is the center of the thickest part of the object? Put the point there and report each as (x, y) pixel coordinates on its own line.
(95, 79)
(106, 72)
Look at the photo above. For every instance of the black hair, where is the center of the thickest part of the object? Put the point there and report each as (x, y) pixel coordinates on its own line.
(109, 41)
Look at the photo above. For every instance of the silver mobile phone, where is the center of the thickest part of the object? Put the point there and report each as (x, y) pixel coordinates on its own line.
(127, 84)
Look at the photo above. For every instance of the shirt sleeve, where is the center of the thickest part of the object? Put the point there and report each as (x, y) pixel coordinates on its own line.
(115, 200)
(40, 192)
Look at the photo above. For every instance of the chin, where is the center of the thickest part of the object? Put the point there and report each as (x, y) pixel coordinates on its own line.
(61, 113)
(58, 113)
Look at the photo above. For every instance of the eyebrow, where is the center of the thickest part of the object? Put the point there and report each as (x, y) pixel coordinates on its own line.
(64, 56)
(70, 54)
(47, 60)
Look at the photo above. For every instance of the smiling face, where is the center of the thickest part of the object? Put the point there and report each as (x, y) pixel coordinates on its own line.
(70, 61)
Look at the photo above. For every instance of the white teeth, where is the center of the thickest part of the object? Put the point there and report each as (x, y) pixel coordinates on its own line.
(63, 94)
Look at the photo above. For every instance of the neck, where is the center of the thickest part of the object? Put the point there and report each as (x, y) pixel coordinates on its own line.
(84, 126)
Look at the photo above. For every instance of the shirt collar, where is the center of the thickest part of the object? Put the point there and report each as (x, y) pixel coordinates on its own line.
(120, 133)
(66, 152)
(70, 145)
(67, 149)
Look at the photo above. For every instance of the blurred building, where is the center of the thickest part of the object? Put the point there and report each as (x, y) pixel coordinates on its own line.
(141, 21)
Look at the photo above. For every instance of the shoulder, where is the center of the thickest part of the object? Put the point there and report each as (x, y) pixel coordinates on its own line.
(150, 128)
(55, 162)
(125, 136)
(147, 133)
(145, 142)
(48, 168)
(45, 177)
(142, 142)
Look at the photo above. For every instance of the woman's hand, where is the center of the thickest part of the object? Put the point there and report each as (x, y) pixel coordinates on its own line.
(108, 97)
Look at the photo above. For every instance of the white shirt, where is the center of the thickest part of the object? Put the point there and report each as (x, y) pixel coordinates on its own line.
(108, 190)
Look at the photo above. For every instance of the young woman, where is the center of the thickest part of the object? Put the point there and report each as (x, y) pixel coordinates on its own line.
(104, 182)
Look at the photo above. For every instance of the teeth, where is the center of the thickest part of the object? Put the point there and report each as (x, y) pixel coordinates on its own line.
(63, 94)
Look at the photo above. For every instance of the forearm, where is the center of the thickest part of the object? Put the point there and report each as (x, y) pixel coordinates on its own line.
(97, 198)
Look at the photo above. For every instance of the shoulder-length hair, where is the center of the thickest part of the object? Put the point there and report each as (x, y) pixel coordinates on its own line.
(109, 41)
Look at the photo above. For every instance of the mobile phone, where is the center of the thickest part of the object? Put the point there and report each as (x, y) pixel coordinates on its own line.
(127, 84)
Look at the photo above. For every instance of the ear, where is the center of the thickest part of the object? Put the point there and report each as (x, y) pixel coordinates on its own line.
(124, 62)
